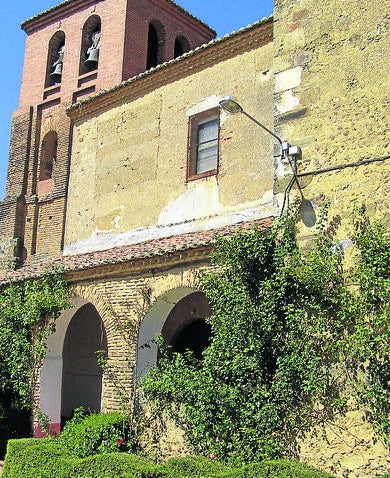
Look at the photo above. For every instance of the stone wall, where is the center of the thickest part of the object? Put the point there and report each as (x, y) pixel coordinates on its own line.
(331, 98)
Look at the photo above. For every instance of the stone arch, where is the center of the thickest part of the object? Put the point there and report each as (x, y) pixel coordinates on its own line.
(82, 377)
(55, 56)
(90, 45)
(51, 390)
(156, 44)
(169, 315)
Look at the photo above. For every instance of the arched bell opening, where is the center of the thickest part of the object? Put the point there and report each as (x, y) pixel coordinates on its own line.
(55, 59)
(156, 43)
(181, 46)
(90, 45)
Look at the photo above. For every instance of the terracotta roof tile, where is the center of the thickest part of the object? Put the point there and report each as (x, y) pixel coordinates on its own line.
(142, 250)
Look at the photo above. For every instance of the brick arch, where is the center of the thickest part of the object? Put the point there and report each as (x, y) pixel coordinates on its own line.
(48, 155)
(156, 44)
(51, 374)
(91, 26)
(181, 46)
(56, 45)
(94, 296)
(152, 325)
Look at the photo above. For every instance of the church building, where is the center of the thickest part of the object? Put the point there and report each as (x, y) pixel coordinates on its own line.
(126, 160)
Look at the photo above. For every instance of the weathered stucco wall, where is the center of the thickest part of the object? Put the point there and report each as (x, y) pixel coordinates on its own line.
(128, 167)
(332, 99)
(332, 96)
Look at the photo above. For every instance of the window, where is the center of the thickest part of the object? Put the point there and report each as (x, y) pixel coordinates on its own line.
(203, 144)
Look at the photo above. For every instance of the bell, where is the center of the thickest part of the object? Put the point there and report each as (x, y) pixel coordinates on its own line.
(57, 73)
(93, 58)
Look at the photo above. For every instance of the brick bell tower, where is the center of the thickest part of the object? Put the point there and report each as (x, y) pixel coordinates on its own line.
(74, 50)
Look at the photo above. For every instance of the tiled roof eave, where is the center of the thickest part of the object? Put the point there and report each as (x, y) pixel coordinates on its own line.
(189, 247)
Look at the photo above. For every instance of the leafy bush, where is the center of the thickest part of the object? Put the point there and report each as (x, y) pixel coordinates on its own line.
(201, 467)
(46, 458)
(86, 435)
(276, 469)
(291, 342)
(193, 467)
(28, 311)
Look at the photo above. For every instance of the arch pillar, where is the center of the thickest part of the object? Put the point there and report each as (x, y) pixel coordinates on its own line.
(51, 391)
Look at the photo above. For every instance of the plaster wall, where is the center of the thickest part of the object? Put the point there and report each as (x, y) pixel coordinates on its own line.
(331, 98)
(128, 170)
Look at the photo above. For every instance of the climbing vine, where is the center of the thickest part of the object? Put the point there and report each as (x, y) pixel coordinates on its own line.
(28, 311)
(294, 336)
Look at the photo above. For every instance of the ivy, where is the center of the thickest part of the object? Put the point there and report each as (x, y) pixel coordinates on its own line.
(292, 342)
(28, 311)
(367, 346)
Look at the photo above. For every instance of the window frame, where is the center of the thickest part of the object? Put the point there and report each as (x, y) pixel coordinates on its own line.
(194, 122)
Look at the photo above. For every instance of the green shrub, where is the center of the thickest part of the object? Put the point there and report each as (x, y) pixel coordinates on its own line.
(284, 318)
(276, 469)
(200, 467)
(96, 433)
(47, 458)
(38, 458)
(193, 467)
(28, 311)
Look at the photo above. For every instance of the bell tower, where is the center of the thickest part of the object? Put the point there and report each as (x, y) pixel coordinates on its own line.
(74, 50)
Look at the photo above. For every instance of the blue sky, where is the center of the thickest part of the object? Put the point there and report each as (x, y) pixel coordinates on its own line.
(224, 16)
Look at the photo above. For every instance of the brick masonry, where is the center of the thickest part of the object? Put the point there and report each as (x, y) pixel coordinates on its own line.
(37, 208)
(315, 76)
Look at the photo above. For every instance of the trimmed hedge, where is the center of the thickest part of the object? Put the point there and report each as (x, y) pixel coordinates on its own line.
(47, 458)
(199, 467)
(93, 434)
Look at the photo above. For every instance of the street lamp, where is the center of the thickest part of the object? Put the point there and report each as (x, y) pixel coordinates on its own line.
(291, 153)
(232, 107)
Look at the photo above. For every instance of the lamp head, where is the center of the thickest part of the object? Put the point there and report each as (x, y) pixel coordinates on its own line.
(230, 106)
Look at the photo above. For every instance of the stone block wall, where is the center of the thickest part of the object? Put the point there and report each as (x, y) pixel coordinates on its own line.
(331, 97)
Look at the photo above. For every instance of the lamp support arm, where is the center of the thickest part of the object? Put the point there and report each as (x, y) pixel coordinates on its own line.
(262, 126)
